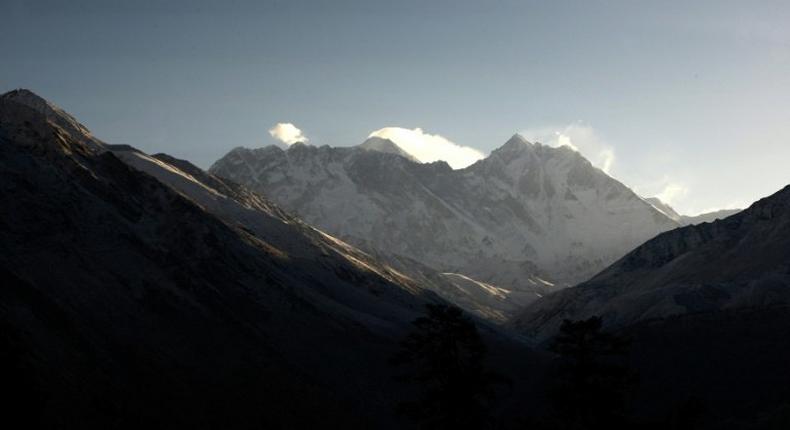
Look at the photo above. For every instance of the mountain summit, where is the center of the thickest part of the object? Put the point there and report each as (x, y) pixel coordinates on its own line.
(53, 114)
(515, 141)
(375, 143)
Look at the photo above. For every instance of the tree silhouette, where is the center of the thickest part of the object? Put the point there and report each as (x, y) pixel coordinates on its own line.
(444, 355)
(593, 381)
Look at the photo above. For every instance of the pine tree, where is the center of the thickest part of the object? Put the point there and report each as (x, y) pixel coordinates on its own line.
(444, 355)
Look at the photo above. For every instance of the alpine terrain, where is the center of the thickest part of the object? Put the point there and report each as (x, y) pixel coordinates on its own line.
(527, 220)
(740, 262)
(138, 287)
(707, 308)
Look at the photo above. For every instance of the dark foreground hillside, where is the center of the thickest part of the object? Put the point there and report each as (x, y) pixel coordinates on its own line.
(708, 309)
(732, 368)
(131, 302)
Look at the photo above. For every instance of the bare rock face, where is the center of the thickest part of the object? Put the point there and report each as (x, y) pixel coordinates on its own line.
(55, 115)
(740, 262)
(529, 219)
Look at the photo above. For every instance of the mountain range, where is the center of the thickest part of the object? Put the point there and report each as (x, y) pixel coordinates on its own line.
(136, 287)
(272, 290)
(706, 293)
(527, 220)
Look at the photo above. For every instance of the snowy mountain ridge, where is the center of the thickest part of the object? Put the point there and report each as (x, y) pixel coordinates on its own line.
(524, 213)
(690, 219)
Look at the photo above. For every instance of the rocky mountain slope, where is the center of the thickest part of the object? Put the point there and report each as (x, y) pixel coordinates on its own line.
(136, 288)
(740, 262)
(707, 310)
(527, 219)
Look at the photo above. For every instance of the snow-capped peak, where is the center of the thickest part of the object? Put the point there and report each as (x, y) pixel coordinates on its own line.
(527, 209)
(380, 144)
(516, 141)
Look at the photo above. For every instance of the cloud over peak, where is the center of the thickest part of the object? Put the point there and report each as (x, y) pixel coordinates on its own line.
(430, 147)
(672, 192)
(579, 137)
(287, 133)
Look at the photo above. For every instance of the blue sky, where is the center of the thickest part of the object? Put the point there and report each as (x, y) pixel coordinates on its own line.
(689, 100)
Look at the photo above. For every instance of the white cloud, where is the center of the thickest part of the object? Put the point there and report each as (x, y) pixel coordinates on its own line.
(668, 189)
(606, 157)
(579, 137)
(563, 140)
(672, 192)
(287, 133)
(430, 147)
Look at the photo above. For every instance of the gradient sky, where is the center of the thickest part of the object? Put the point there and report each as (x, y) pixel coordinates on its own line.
(689, 101)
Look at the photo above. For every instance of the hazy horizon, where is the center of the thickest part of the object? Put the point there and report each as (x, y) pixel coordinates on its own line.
(686, 102)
